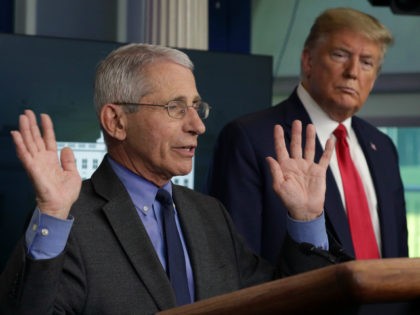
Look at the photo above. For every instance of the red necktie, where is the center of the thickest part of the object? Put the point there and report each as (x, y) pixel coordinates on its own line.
(358, 214)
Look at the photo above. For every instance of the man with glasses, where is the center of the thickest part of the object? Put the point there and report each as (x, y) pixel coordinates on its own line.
(128, 240)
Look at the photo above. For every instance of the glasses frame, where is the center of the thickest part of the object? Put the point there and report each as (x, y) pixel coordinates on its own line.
(196, 106)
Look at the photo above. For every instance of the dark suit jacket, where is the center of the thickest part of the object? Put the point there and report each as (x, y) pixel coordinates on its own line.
(109, 265)
(241, 179)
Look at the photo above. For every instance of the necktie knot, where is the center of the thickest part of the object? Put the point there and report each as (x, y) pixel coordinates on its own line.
(164, 197)
(340, 132)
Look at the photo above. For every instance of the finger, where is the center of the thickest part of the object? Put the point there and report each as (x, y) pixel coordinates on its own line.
(310, 143)
(25, 132)
(276, 172)
(326, 155)
(21, 149)
(35, 131)
(296, 141)
(279, 144)
(48, 133)
(68, 162)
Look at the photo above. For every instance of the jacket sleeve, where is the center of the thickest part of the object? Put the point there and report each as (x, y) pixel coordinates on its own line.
(29, 286)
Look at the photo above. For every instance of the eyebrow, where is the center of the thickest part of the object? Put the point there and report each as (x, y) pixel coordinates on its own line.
(184, 99)
(346, 50)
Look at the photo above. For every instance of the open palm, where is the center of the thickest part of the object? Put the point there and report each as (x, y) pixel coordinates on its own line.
(57, 182)
(297, 179)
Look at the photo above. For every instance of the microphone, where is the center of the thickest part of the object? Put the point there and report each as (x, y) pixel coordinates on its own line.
(310, 249)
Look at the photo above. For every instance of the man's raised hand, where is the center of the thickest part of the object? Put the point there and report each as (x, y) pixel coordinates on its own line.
(57, 182)
(297, 179)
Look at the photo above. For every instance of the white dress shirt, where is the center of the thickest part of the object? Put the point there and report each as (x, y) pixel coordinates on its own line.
(325, 127)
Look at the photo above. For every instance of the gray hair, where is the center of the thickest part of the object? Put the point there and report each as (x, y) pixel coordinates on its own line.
(337, 19)
(122, 75)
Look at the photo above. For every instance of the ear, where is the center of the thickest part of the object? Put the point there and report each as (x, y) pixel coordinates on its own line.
(114, 121)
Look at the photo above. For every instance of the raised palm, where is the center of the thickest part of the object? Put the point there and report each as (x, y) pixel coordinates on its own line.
(297, 179)
(56, 181)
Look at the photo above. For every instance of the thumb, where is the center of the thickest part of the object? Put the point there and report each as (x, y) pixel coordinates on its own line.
(276, 172)
(68, 162)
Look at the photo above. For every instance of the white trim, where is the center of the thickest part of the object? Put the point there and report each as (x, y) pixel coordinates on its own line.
(25, 17)
(122, 13)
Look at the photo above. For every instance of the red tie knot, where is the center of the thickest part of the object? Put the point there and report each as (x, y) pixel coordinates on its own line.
(340, 132)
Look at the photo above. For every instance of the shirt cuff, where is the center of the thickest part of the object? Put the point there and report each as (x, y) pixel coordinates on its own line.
(313, 232)
(46, 236)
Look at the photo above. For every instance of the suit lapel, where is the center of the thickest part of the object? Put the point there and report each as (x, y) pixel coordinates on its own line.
(206, 267)
(337, 222)
(194, 238)
(132, 235)
(377, 163)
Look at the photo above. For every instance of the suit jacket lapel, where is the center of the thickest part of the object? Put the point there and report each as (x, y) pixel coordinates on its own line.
(195, 240)
(208, 270)
(132, 235)
(377, 163)
(295, 110)
(337, 222)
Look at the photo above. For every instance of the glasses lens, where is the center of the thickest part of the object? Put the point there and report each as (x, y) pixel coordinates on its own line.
(203, 110)
(177, 109)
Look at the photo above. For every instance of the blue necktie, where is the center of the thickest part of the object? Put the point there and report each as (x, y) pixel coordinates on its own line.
(175, 260)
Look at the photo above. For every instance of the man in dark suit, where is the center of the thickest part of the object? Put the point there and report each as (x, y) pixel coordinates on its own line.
(101, 247)
(340, 62)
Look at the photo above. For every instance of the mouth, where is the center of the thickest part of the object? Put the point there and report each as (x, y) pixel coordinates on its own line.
(347, 90)
(187, 150)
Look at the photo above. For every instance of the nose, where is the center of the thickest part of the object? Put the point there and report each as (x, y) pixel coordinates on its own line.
(194, 124)
(352, 68)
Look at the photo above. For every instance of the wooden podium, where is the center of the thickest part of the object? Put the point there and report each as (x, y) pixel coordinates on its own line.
(324, 290)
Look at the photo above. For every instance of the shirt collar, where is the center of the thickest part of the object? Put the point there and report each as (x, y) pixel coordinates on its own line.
(324, 125)
(141, 191)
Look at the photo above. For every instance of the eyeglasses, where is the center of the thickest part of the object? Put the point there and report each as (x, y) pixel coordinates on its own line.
(177, 109)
